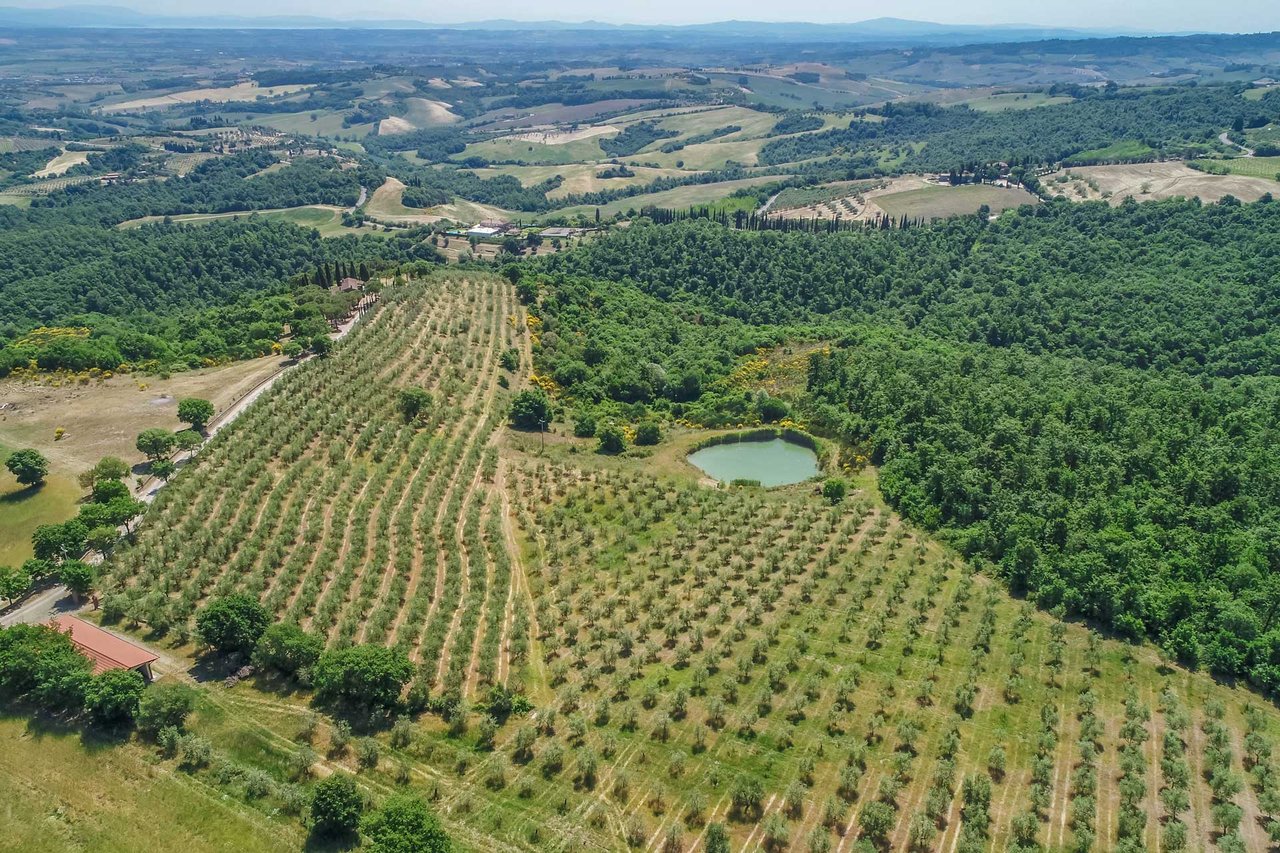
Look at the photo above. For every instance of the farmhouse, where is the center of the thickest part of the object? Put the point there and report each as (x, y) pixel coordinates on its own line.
(105, 650)
(348, 285)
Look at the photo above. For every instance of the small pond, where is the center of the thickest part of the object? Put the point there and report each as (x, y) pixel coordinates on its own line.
(773, 463)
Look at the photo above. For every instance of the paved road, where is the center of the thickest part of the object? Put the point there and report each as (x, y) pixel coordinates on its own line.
(41, 607)
(1227, 140)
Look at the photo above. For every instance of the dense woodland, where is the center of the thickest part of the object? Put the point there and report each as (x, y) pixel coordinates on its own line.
(1170, 122)
(165, 295)
(1083, 395)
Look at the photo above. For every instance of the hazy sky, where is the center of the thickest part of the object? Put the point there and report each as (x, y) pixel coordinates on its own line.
(1163, 15)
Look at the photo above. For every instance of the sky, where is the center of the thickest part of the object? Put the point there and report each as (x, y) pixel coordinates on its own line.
(1145, 15)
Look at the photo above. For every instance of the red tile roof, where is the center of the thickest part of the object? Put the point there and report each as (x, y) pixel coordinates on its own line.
(105, 650)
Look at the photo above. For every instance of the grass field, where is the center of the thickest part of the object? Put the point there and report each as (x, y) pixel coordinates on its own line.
(61, 793)
(504, 149)
(939, 202)
(1124, 150)
(1014, 101)
(674, 199)
(324, 218)
(578, 178)
(325, 123)
(1257, 93)
(23, 509)
(385, 204)
(1253, 167)
(101, 418)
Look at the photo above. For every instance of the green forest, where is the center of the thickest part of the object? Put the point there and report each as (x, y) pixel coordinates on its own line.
(1172, 122)
(1084, 397)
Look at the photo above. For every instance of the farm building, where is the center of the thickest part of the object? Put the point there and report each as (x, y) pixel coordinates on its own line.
(560, 233)
(481, 232)
(105, 650)
(502, 226)
(348, 285)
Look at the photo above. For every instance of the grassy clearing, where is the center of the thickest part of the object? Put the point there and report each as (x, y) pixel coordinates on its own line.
(1124, 150)
(940, 202)
(65, 793)
(315, 123)
(674, 199)
(1015, 101)
(324, 218)
(578, 178)
(1257, 93)
(23, 509)
(1253, 167)
(103, 418)
(508, 149)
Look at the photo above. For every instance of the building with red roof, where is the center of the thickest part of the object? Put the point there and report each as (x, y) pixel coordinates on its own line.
(104, 650)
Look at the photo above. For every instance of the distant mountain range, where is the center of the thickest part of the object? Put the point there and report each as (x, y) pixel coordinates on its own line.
(879, 30)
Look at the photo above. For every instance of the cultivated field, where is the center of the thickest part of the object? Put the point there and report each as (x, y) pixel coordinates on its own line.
(811, 676)
(939, 202)
(225, 94)
(385, 205)
(679, 198)
(1266, 168)
(911, 196)
(344, 517)
(1150, 181)
(419, 113)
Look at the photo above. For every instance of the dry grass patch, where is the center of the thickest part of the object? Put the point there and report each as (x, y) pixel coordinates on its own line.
(1152, 181)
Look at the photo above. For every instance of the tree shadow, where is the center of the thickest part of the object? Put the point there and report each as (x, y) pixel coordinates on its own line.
(317, 843)
(21, 496)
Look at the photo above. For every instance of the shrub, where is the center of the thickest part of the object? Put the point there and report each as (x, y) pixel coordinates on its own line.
(364, 676)
(403, 824)
(287, 649)
(163, 706)
(233, 623)
(530, 410)
(336, 806)
(648, 433)
(112, 697)
(610, 440)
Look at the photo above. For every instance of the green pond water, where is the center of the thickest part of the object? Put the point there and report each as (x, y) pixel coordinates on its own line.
(773, 463)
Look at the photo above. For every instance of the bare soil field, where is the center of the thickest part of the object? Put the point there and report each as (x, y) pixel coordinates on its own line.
(104, 418)
(1151, 181)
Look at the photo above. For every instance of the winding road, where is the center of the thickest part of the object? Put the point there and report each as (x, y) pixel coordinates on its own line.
(1225, 139)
